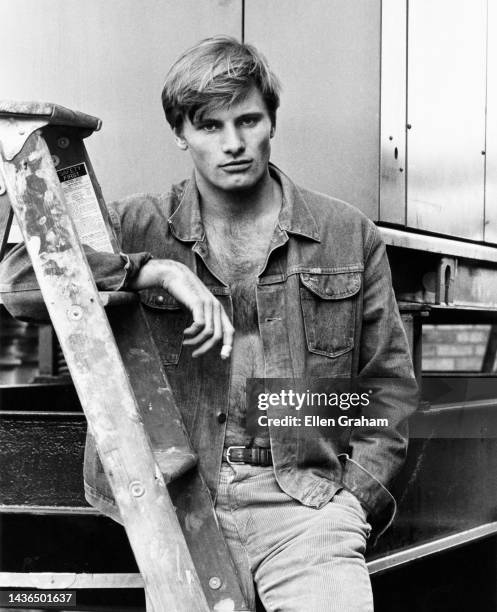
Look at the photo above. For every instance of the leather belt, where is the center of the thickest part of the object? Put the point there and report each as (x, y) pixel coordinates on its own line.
(242, 454)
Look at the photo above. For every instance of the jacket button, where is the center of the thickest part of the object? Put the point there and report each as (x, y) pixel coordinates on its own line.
(221, 417)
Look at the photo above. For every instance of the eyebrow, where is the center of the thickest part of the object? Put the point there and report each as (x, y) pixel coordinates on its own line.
(255, 114)
(252, 114)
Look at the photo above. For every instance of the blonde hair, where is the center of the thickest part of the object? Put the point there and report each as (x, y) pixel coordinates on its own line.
(215, 73)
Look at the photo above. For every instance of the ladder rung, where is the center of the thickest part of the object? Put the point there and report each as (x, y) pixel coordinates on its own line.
(117, 298)
(108, 298)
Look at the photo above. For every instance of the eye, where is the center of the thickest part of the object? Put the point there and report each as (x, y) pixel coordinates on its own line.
(249, 121)
(209, 127)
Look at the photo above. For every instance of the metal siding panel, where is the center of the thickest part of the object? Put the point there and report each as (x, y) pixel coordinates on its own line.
(446, 107)
(393, 112)
(326, 53)
(110, 59)
(491, 147)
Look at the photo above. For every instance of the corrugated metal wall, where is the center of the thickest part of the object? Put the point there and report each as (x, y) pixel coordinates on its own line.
(109, 58)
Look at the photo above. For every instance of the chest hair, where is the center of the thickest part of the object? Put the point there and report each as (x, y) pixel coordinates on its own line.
(238, 252)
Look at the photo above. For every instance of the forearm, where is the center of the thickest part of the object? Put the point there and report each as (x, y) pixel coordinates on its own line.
(19, 289)
(210, 324)
(154, 273)
(135, 272)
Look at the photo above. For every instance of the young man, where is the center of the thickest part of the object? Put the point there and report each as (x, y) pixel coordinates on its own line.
(245, 275)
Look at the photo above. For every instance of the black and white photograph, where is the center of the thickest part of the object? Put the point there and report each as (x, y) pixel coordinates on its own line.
(248, 306)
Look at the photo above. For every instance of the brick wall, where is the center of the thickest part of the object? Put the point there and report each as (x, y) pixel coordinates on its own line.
(454, 347)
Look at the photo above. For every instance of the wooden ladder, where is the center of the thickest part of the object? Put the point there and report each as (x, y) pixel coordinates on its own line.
(113, 361)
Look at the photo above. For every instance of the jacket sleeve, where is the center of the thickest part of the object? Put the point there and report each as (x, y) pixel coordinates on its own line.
(19, 290)
(377, 451)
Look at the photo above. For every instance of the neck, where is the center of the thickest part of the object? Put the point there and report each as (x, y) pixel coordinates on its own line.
(259, 200)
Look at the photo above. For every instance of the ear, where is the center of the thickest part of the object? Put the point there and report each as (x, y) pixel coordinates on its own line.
(273, 129)
(180, 141)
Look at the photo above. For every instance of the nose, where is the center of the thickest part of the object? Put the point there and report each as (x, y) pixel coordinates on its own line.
(233, 142)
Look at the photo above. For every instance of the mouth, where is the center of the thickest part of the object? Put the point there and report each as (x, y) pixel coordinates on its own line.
(237, 165)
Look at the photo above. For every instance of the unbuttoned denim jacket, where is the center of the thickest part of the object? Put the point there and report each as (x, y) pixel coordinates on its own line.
(325, 306)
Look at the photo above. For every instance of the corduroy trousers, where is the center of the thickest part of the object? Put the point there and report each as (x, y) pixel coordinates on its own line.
(301, 559)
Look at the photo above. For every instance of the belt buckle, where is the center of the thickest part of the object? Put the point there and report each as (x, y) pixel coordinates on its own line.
(228, 452)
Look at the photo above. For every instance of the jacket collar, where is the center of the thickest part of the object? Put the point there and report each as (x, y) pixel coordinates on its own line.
(294, 218)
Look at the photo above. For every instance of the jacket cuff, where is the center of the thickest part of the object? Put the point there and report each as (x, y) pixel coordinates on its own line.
(133, 262)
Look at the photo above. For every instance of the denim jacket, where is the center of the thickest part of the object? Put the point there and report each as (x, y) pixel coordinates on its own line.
(326, 308)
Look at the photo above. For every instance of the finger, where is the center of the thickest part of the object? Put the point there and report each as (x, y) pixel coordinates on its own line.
(217, 333)
(208, 329)
(198, 319)
(228, 334)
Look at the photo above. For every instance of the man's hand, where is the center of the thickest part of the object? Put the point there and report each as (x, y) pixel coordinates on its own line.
(210, 321)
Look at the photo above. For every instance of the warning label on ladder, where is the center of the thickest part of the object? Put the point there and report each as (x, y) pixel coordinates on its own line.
(83, 207)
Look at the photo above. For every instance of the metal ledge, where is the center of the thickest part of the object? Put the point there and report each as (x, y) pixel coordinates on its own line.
(437, 245)
(489, 403)
(415, 553)
(62, 581)
(49, 510)
(132, 581)
(43, 414)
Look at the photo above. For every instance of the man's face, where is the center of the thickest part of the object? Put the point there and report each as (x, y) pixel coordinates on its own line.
(230, 147)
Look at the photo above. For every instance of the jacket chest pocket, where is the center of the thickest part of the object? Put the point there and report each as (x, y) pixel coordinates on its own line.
(167, 321)
(329, 303)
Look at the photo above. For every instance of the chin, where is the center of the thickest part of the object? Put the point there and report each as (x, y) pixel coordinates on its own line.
(240, 186)
(241, 183)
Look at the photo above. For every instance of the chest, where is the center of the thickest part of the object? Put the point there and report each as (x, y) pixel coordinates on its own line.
(239, 251)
